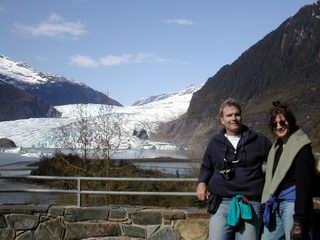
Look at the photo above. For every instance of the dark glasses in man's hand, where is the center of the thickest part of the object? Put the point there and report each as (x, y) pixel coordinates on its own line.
(282, 123)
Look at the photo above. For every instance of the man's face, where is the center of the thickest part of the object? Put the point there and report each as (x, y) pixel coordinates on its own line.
(231, 120)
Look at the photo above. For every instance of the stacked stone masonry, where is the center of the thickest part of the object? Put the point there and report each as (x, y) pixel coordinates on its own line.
(28, 222)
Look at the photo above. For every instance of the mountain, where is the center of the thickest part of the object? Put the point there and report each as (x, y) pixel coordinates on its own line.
(190, 89)
(142, 120)
(146, 100)
(284, 65)
(52, 89)
(16, 103)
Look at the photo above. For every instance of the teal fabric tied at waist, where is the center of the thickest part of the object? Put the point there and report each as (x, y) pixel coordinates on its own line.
(240, 208)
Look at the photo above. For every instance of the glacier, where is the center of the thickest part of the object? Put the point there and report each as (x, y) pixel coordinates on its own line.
(44, 132)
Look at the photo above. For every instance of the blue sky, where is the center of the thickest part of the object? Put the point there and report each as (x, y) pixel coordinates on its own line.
(136, 48)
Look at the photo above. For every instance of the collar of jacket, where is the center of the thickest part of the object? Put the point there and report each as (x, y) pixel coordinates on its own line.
(295, 142)
(246, 133)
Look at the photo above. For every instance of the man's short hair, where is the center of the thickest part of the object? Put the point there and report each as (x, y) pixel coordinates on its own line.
(229, 102)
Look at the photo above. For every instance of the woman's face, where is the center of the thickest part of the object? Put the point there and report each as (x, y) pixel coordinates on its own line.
(281, 127)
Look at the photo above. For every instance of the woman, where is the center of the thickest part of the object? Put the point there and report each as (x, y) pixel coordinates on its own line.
(287, 192)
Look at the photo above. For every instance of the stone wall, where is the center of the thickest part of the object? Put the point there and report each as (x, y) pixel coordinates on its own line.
(37, 222)
(27, 222)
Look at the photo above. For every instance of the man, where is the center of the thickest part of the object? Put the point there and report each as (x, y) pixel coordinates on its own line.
(232, 172)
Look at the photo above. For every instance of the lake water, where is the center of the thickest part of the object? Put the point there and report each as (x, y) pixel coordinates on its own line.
(175, 162)
(172, 161)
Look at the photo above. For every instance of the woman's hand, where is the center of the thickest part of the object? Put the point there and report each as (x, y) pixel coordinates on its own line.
(296, 232)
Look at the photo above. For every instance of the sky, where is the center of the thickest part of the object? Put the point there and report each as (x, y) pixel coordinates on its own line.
(131, 49)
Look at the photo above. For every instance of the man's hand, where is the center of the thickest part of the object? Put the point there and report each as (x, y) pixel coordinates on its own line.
(202, 191)
(296, 232)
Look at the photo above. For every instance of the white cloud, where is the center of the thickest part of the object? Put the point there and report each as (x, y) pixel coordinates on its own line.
(54, 26)
(180, 21)
(150, 57)
(112, 60)
(83, 61)
(116, 60)
(55, 18)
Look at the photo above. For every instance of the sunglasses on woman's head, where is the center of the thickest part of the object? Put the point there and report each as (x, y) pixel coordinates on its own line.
(282, 123)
